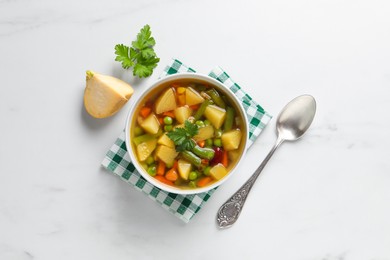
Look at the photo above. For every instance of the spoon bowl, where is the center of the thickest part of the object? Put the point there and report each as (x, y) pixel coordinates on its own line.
(293, 121)
(296, 117)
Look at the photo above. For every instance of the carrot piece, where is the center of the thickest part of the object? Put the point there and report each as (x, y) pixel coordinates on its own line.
(171, 175)
(161, 168)
(169, 113)
(204, 181)
(145, 111)
(161, 120)
(225, 159)
(202, 143)
(175, 164)
(181, 99)
(195, 107)
(163, 180)
(181, 90)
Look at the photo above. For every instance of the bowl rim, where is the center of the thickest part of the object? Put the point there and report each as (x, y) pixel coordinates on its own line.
(163, 80)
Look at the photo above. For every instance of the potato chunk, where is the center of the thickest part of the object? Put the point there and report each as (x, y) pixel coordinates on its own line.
(150, 124)
(184, 168)
(145, 149)
(182, 114)
(204, 133)
(165, 140)
(218, 171)
(231, 140)
(166, 102)
(166, 154)
(216, 115)
(193, 97)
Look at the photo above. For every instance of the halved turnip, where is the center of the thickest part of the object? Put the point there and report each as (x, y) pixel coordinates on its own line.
(105, 95)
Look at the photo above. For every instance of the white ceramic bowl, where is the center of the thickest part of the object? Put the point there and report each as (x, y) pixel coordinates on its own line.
(158, 86)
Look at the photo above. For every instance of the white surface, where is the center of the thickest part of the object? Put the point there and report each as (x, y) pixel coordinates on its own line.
(324, 197)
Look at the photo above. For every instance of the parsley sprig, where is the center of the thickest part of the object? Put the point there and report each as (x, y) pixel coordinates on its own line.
(140, 56)
(182, 137)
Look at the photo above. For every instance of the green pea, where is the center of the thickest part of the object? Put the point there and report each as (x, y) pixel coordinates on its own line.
(218, 133)
(144, 165)
(192, 176)
(138, 131)
(206, 171)
(149, 160)
(152, 170)
(200, 123)
(217, 142)
(168, 128)
(206, 122)
(209, 142)
(168, 120)
(192, 184)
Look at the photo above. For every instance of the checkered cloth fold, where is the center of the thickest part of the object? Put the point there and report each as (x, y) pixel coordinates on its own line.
(184, 207)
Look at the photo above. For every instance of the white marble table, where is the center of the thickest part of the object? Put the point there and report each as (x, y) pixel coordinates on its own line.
(326, 196)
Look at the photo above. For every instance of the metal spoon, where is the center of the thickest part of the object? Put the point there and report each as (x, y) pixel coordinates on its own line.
(292, 123)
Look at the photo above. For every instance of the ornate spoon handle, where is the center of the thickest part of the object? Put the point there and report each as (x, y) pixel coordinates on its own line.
(229, 212)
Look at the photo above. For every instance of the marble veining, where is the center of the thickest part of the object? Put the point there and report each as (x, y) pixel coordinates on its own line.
(324, 197)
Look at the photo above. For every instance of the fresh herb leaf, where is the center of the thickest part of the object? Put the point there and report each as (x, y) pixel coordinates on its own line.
(182, 137)
(123, 55)
(191, 128)
(141, 55)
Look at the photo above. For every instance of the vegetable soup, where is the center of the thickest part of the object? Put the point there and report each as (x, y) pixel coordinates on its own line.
(188, 134)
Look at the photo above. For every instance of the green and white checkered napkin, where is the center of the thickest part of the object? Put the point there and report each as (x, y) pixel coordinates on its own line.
(183, 206)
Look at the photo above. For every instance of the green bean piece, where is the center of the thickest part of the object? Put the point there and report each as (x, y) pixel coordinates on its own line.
(229, 119)
(143, 138)
(146, 137)
(199, 113)
(216, 98)
(205, 153)
(192, 158)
